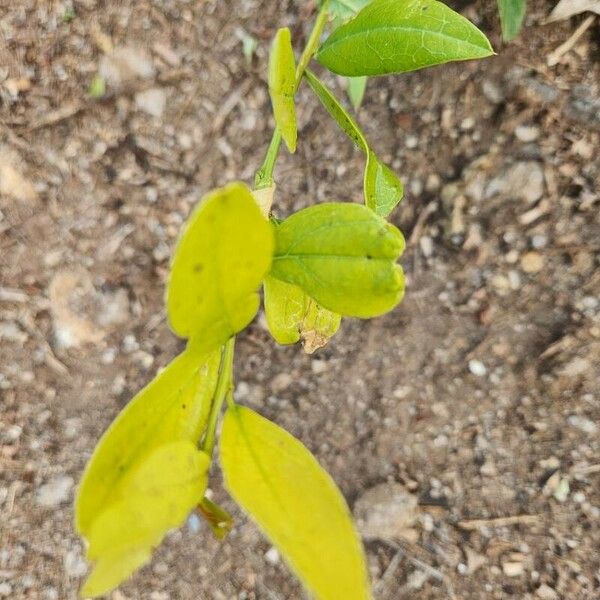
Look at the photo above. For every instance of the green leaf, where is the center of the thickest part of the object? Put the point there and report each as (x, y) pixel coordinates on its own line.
(382, 188)
(293, 315)
(97, 88)
(342, 255)
(345, 9)
(356, 90)
(396, 36)
(276, 480)
(173, 406)
(512, 13)
(153, 498)
(220, 261)
(282, 87)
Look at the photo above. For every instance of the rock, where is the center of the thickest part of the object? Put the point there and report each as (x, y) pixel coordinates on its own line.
(513, 569)
(477, 368)
(124, 65)
(5, 590)
(72, 299)
(561, 493)
(426, 244)
(75, 565)
(12, 181)
(11, 332)
(576, 367)
(152, 101)
(55, 492)
(520, 181)
(492, 92)
(527, 133)
(318, 366)
(545, 592)
(281, 382)
(272, 556)
(532, 262)
(474, 561)
(585, 425)
(114, 308)
(385, 512)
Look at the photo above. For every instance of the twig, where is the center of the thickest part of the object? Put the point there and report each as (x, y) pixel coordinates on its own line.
(56, 116)
(586, 470)
(421, 220)
(391, 569)
(230, 103)
(473, 524)
(554, 57)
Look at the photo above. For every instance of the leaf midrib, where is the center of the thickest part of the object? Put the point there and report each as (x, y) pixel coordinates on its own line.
(401, 28)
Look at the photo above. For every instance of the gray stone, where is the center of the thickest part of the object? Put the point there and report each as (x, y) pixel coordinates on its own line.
(385, 512)
(55, 492)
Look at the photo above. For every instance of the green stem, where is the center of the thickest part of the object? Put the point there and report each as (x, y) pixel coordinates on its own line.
(224, 389)
(264, 175)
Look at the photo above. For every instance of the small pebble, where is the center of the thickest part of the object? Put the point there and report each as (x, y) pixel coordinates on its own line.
(545, 592)
(513, 569)
(527, 133)
(426, 244)
(55, 492)
(532, 262)
(272, 556)
(477, 368)
(412, 141)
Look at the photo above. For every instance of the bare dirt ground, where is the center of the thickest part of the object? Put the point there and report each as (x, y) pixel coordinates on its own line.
(478, 399)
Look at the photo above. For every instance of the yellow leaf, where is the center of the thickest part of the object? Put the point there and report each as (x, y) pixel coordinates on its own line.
(282, 87)
(295, 502)
(153, 498)
(292, 315)
(220, 261)
(174, 406)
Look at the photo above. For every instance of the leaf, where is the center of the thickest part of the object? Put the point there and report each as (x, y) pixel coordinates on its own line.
(220, 261)
(512, 13)
(342, 255)
(153, 498)
(382, 188)
(274, 478)
(293, 315)
(173, 406)
(282, 87)
(218, 519)
(97, 88)
(396, 36)
(565, 9)
(345, 9)
(264, 199)
(356, 90)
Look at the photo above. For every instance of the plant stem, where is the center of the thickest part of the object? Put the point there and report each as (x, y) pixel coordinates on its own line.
(264, 176)
(224, 389)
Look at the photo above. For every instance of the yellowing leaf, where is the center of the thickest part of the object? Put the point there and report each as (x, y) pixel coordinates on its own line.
(382, 188)
(282, 87)
(174, 406)
(292, 315)
(220, 261)
(218, 519)
(344, 256)
(153, 498)
(396, 36)
(278, 482)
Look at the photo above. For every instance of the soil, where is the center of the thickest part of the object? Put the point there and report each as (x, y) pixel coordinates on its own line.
(479, 395)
